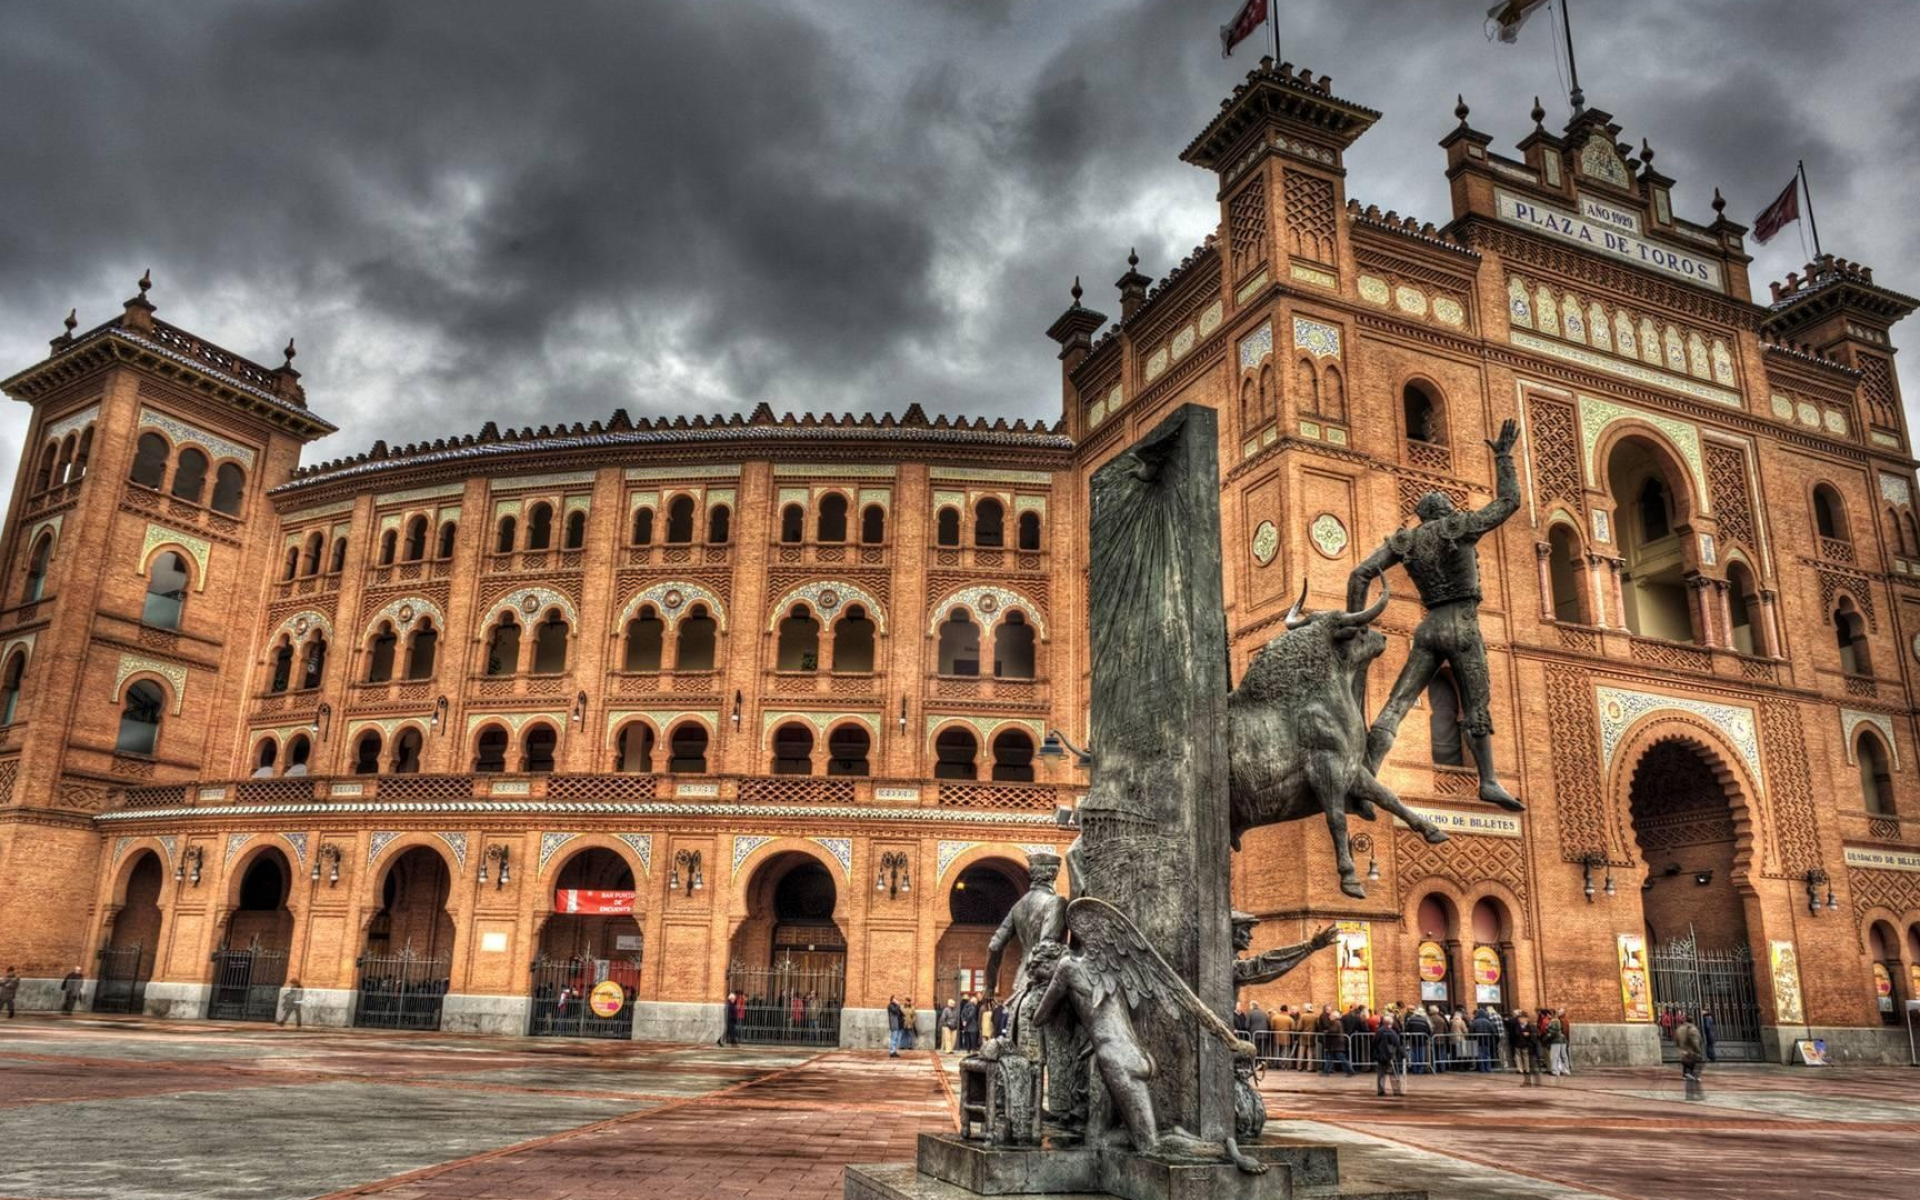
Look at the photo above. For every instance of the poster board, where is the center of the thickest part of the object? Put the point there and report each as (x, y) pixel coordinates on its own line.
(1355, 946)
(1813, 1053)
(1783, 961)
(1433, 972)
(1486, 975)
(1636, 996)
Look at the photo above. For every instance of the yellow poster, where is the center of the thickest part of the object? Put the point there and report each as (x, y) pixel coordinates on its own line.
(1788, 1008)
(1913, 982)
(1883, 987)
(1433, 962)
(1636, 998)
(1356, 965)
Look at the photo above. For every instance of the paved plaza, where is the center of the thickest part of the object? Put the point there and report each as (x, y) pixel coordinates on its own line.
(110, 1109)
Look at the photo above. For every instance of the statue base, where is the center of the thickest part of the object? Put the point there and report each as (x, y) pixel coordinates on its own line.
(948, 1167)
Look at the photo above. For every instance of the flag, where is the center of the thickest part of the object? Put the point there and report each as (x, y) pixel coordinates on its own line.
(1505, 18)
(1251, 16)
(1777, 216)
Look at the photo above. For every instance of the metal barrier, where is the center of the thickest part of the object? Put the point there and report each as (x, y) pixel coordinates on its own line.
(1354, 1053)
(400, 991)
(246, 983)
(120, 983)
(563, 997)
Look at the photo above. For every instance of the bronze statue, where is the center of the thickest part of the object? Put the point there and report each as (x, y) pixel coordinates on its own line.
(1039, 916)
(1036, 917)
(1299, 734)
(1249, 1111)
(1441, 557)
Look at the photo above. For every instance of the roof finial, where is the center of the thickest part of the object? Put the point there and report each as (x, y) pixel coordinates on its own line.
(289, 351)
(1646, 152)
(1077, 293)
(1133, 257)
(73, 321)
(1539, 114)
(1719, 202)
(1460, 108)
(146, 280)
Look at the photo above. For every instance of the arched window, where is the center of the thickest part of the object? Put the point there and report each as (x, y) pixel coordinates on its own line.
(229, 482)
(1249, 404)
(643, 527)
(988, 518)
(719, 525)
(680, 520)
(550, 645)
(540, 526)
(490, 751)
(1653, 586)
(799, 648)
(63, 468)
(10, 688)
(646, 635)
(299, 750)
(832, 522)
(1029, 530)
(508, 529)
(389, 546)
(959, 644)
(1443, 720)
(1013, 647)
(82, 455)
(1563, 549)
(1876, 781)
(265, 755)
(687, 748)
(314, 663)
(316, 548)
(793, 524)
(1306, 387)
(406, 752)
(339, 555)
(1850, 634)
(1910, 533)
(1655, 507)
(380, 654)
(449, 530)
(1829, 514)
(149, 460)
(282, 667)
(633, 752)
(536, 749)
(37, 570)
(1742, 599)
(1422, 414)
(847, 747)
(503, 648)
(1013, 756)
(873, 525)
(423, 651)
(947, 527)
(416, 539)
(695, 650)
(853, 641)
(140, 719)
(954, 752)
(366, 753)
(576, 530)
(793, 750)
(1333, 396)
(45, 477)
(190, 475)
(166, 591)
(293, 563)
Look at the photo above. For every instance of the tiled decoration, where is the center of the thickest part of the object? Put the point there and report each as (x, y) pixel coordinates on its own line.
(1620, 709)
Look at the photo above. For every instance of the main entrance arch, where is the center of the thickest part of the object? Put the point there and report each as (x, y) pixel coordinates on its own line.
(409, 945)
(978, 899)
(132, 945)
(591, 940)
(1696, 920)
(789, 954)
(251, 964)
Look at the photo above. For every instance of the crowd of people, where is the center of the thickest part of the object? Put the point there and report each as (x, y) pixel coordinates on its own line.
(1408, 1039)
(795, 1014)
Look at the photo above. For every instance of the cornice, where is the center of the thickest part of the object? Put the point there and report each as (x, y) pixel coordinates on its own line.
(217, 815)
(1592, 272)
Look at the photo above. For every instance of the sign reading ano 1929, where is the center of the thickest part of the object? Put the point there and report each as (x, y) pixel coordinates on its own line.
(1608, 237)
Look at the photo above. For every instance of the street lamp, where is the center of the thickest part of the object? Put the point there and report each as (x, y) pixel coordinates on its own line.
(1590, 863)
(1814, 878)
(330, 854)
(689, 861)
(1056, 745)
(194, 855)
(322, 721)
(894, 878)
(495, 853)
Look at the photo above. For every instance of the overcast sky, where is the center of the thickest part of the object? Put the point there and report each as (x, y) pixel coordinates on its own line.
(533, 212)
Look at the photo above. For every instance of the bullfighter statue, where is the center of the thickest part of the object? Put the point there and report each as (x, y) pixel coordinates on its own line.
(1441, 557)
(1249, 1111)
(1039, 916)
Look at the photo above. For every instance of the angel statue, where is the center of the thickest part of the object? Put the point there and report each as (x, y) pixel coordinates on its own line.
(1249, 1111)
(1114, 973)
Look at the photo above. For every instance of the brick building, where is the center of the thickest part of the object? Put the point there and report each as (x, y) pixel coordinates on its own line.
(755, 701)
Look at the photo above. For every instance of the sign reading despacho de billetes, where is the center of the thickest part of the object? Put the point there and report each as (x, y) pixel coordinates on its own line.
(1607, 237)
(1487, 824)
(1885, 860)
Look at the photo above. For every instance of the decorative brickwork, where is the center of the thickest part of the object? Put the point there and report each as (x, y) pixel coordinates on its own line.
(1247, 226)
(1790, 793)
(1310, 216)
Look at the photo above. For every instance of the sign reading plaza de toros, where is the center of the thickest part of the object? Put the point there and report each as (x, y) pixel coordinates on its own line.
(1601, 227)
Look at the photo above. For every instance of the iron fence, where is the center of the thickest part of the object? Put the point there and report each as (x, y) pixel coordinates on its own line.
(1690, 980)
(120, 986)
(400, 990)
(563, 996)
(246, 983)
(789, 1003)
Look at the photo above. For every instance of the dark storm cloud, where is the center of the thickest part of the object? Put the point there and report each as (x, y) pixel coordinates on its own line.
(533, 213)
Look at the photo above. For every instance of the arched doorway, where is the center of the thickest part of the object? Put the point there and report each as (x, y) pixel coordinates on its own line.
(1438, 921)
(978, 899)
(404, 967)
(127, 959)
(251, 964)
(1492, 954)
(789, 956)
(586, 974)
(1696, 919)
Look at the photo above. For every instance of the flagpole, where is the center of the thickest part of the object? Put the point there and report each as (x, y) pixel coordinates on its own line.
(1811, 222)
(1273, 27)
(1573, 71)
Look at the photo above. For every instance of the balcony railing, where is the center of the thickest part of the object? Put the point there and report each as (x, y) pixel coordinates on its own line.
(678, 554)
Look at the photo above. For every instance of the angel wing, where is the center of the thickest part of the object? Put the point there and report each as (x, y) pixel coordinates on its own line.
(1121, 960)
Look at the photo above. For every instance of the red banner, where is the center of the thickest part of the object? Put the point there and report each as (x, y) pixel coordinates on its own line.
(592, 902)
(1777, 216)
(1249, 18)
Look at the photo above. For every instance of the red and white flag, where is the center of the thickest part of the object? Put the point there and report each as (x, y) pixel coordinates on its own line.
(1251, 16)
(1784, 211)
(1505, 18)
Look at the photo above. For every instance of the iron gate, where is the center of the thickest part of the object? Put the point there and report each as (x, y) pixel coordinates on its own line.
(401, 990)
(119, 987)
(563, 996)
(796, 1001)
(1687, 979)
(246, 983)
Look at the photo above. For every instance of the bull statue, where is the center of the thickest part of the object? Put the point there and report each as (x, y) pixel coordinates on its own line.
(1299, 732)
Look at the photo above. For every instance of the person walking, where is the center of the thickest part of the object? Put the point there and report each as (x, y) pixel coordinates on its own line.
(726, 1017)
(9, 988)
(1417, 1030)
(909, 1024)
(1693, 1050)
(290, 1003)
(894, 1021)
(1709, 1033)
(949, 1022)
(70, 991)
(1280, 1028)
(1388, 1050)
(1526, 1048)
(1556, 1045)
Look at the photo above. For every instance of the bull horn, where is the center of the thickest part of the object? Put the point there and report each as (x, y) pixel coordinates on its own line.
(1294, 619)
(1366, 616)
